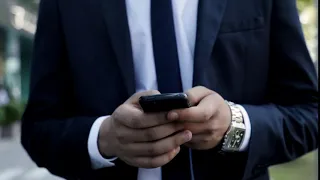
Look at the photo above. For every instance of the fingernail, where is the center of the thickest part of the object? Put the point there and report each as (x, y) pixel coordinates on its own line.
(173, 116)
(188, 135)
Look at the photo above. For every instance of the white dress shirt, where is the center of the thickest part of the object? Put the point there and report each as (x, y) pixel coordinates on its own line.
(185, 21)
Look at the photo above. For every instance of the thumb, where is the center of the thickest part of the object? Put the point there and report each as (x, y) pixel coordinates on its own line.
(134, 99)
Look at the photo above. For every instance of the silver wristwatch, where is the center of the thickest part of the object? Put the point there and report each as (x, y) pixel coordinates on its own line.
(233, 139)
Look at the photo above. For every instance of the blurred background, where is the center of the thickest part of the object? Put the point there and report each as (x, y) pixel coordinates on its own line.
(17, 27)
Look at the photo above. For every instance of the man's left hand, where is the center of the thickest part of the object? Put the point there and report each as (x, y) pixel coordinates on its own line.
(208, 119)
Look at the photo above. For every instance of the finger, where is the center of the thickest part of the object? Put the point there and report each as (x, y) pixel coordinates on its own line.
(196, 94)
(203, 141)
(159, 147)
(134, 99)
(154, 133)
(154, 119)
(199, 128)
(128, 116)
(203, 112)
(135, 118)
(202, 138)
(158, 161)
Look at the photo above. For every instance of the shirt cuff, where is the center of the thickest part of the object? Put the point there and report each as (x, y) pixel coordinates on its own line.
(97, 161)
(247, 124)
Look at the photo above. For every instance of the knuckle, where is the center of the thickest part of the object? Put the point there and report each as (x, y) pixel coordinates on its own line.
(218, 112)
(177, 141)
(123, 108)
(207, 139)
(206, 115)
(168, 157)
(150, 134)
(132, 161)
(214, 128)
(176, 127)
(211, 128)
(187, 112)
(116, 115)
(201, 88)
(135, 121)
(121, 150)
(161, 118)
(121, 137)
(152, 149)
(153, 163)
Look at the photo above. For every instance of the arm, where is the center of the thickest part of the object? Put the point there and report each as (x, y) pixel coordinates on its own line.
(286, 128)
(51, 134)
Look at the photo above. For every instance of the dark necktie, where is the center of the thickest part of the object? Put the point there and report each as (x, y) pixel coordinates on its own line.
(165, 47)
(168, 74)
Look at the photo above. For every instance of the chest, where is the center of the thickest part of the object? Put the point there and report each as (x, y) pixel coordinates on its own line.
(184, 15)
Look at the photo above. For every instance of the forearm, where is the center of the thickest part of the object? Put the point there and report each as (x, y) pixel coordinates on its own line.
(281, 133)
(286, 126)
(60, 145)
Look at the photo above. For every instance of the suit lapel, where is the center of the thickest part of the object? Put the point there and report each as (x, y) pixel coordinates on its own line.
(210, 14)
(115, 15)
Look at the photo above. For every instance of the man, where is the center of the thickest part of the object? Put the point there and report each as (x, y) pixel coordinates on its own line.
(243, 64)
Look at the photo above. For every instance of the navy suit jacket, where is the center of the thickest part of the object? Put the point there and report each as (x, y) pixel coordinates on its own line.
(252, 52)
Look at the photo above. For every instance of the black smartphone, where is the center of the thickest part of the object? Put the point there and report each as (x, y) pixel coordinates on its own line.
(164, 102)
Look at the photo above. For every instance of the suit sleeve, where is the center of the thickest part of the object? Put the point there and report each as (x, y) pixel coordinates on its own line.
(53, 136)
(287, 127)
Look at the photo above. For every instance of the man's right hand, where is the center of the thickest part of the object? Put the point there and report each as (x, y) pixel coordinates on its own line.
(140, 139)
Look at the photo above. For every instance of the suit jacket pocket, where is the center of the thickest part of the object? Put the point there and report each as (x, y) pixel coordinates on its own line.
(242, 25)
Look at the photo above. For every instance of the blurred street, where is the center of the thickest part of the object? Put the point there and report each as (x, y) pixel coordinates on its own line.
(15, 164)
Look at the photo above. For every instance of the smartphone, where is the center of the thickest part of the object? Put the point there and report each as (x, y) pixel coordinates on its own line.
(164, 102)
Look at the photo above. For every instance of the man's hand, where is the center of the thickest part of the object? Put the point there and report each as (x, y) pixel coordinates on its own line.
(208, 119)
(140, 139)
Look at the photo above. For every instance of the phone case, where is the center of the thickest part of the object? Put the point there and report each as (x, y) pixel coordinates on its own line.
(164, 102)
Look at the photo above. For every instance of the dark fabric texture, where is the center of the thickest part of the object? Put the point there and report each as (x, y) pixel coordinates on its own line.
(165, 47)
(251, 52)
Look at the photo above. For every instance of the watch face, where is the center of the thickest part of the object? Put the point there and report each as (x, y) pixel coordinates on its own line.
(235, 137)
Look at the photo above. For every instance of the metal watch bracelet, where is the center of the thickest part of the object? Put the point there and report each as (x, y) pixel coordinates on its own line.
(234, 137)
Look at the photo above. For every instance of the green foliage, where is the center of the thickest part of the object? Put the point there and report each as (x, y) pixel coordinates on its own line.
(10, 113)
(304, 168)
(301, 4)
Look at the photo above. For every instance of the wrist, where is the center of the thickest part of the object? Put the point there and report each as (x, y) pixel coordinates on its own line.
(235, 134)
(105, 139)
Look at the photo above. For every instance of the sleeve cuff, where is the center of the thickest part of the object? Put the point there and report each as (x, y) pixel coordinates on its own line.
(247, 135)
(97, 161)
